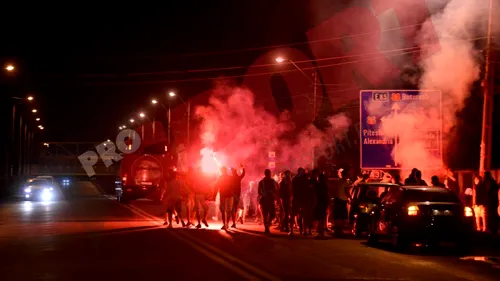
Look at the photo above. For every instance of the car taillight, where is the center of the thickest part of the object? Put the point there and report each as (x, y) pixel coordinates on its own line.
(124, 179)
(468, 212)
(412, 210)
(363, 208)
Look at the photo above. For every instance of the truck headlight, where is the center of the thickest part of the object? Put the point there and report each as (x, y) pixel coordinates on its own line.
(27, 190)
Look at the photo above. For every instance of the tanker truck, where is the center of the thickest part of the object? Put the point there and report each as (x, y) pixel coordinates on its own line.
(143, 173)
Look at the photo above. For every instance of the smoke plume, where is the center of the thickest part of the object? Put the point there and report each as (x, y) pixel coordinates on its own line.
(239, 131)
(451, 67)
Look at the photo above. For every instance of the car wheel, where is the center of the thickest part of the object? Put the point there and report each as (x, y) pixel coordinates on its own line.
(399, 242)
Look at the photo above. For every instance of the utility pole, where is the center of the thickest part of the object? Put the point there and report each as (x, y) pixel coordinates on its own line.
(486, 133)
(315, 83)
(168, 123)
(188, 120)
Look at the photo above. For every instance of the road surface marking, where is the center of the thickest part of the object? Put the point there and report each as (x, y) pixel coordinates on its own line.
(187, 236)
(215, 258)
(234, 259)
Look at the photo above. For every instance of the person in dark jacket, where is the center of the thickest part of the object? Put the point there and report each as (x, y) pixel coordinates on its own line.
(412, 178)
(435, 182)
(299, 186)
(268, 189)
(322, 200)
(286, 200)
(492, 190)
(236, 182)
(309, 200)
(420, 181)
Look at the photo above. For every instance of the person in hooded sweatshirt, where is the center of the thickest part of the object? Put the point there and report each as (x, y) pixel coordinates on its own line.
(321, 204)
(299, 186)
(268, 189)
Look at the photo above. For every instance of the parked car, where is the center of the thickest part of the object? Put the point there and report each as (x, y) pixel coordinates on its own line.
(365, 197)
(421, 214)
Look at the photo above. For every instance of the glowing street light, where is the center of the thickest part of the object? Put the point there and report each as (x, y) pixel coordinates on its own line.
(37, 120)
(30, 98)
(142, 115)
(131, 120)
(10, 67)
(279, 59)
(34, 111)
(172, 94)
(120, 128)
(123, 126)
(154, 101)
(108, 140)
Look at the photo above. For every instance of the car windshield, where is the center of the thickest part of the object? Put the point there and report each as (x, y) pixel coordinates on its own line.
(39, 182)
(430, 196)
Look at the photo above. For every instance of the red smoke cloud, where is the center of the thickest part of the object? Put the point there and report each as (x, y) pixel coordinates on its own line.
(239, 131)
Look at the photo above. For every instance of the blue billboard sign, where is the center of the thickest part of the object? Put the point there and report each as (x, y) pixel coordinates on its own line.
(400, 128)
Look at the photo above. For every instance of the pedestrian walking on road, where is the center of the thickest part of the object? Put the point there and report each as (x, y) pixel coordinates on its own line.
(321, 204)
(224, 187)
(286, 200)
(236, 186)
(310, 202)
(267, 193)
(299, 186)
(201, 188)
(172, 199)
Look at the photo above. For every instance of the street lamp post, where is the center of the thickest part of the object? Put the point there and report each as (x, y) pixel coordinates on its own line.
(188, 112)
(314, 82)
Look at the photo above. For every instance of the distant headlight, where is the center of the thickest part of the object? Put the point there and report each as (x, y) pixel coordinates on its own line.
(27, 190)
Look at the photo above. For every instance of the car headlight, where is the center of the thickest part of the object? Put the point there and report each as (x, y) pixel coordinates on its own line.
(46, 194)
(27, 190)
(47, 190)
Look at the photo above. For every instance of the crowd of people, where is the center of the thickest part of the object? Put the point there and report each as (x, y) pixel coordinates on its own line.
(303, 202)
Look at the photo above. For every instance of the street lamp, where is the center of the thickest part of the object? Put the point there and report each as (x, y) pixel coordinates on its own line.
(188, 109)
(280, 60)
(119, 128)
(153, 101)
(37, 119)
(9, 68)
(34, 111)
(30, 98)
(142, 115)
(131, 120)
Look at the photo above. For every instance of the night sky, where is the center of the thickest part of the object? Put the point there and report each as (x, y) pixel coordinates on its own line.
(92, 66)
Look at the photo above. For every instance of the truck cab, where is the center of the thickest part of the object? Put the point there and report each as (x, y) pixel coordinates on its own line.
(142, 173)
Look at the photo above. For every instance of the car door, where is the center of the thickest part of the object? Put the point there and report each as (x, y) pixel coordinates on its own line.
(389, 208)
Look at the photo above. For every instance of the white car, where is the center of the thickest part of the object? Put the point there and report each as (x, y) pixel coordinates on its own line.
(39, 189)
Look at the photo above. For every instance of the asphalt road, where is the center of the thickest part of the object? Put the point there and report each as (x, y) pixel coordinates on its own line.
(86, 236)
